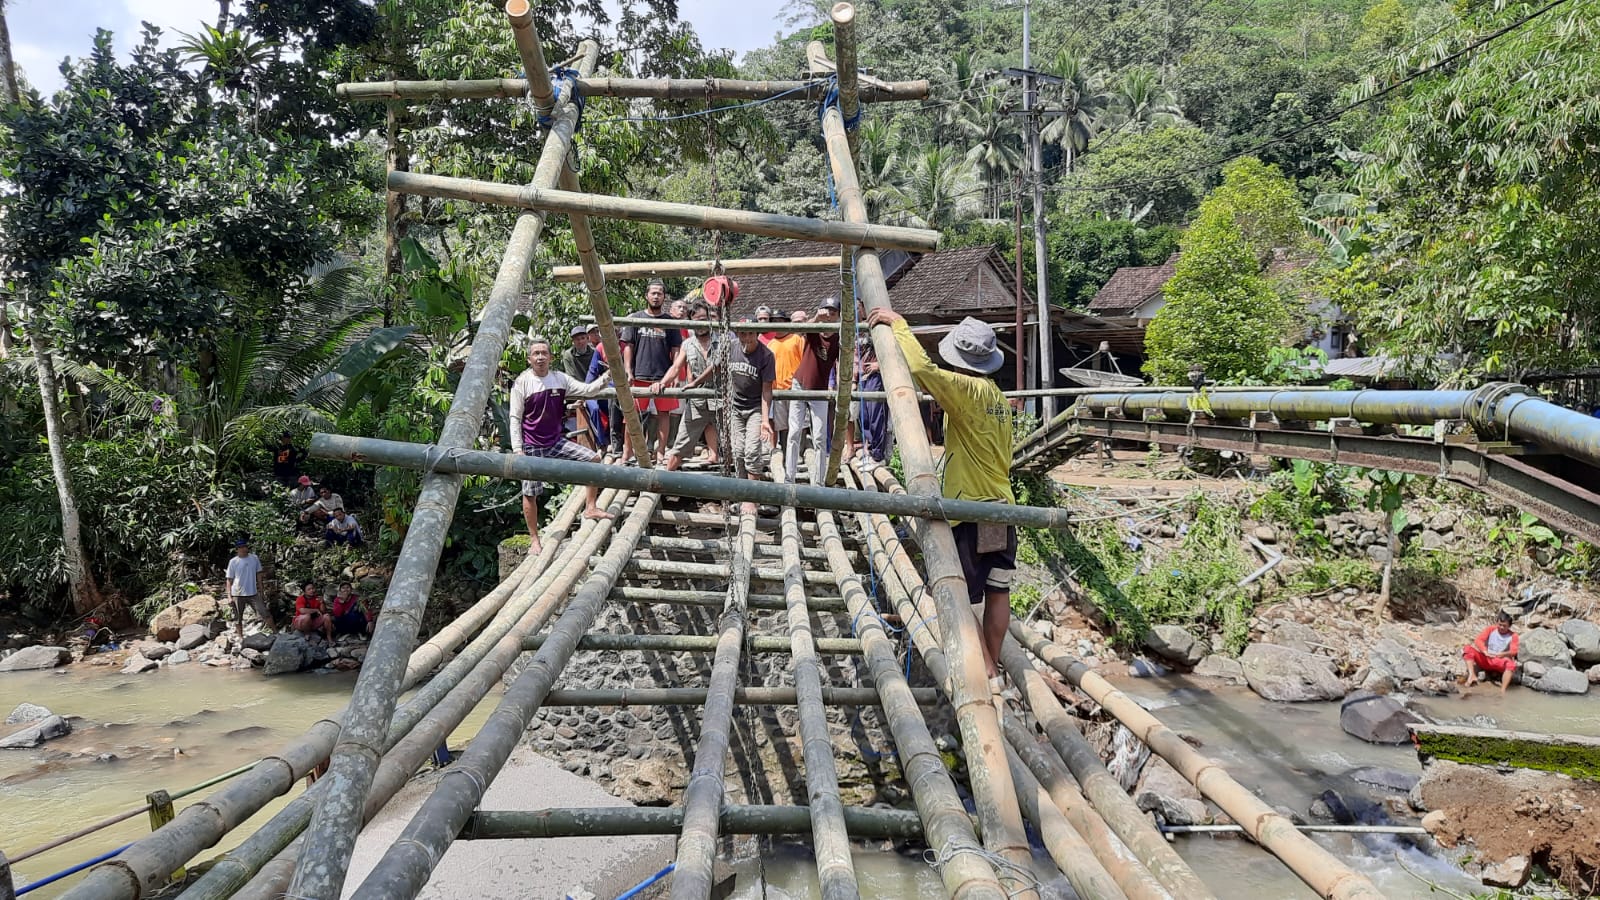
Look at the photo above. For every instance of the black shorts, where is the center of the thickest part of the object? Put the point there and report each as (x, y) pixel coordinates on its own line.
(985, 572)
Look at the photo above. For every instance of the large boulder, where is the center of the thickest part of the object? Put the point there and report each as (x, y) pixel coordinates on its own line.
(260, 642)
(38, 656)
(1376, 719)
(27, 712)
(201, 608)
(1225, 668)
(1560, 681)
(36, 734)
(294, 652)
(193, 635)
(1289, 675)
(1389, 657)
(1544, 646)
(1174, 644)
(1294, 635)
(1169, 795)
(1584, 638)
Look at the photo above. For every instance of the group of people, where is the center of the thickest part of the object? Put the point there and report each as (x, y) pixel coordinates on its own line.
(316, 506)
(744, 372)
(346, 614)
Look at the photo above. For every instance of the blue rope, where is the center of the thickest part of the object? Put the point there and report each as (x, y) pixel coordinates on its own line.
(832, 99)
(565, 83)
(709, 110)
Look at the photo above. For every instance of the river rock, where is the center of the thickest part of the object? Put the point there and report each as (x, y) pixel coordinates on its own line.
(1594, 675)
(1388, 779)
(1391, 658)
(1376, 719)
(256, 657)
(1432, 540)
(1174, 644)
(1508, 873)
(1226, 668)
(198, 609)
(1442, 521)
(1433, 686)
(178, 658)
(1544, 646)
(192, 636)
(1379, 553)
(153, 649)
(260, 642)
(294, 652)
(1290, 675)
(38, 656)
(1169, 795)
(1584, 638)
(1560, 681)
(1140, 667)
(43, 730)
(27, 712)
(1266, 534)
(138, 664)
(1295, 636)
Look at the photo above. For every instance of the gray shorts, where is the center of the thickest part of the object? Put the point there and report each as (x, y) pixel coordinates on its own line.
(692, 427)
(255, 601)
(562, 449)
(750, 453)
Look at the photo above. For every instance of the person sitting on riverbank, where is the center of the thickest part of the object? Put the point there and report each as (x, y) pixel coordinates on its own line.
(310, 615)
(342, 529)
(322, 509)
(350, 615)
(239, 582)
(302, 495)
(1494, 651)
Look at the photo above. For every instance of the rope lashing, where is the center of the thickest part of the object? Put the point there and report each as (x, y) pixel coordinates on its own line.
(831, 98)
(565, 82)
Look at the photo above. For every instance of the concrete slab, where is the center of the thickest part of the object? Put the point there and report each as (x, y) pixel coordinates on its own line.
(546, 869)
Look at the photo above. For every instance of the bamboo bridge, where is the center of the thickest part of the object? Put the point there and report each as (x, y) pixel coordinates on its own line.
(796, 587)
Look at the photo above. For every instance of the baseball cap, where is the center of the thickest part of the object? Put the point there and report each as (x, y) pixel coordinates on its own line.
(830, 302)
(579, 329)
(305, 480)
(241, 543)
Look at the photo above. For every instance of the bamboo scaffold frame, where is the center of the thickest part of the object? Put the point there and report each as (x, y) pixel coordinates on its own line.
(994, 795)
(635, 88)
(781, 265)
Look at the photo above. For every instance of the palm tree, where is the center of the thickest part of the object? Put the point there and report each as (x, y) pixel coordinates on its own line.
(1081, 96)
(878, 161)
(995, 150)
(940, 190)
(1140, 102)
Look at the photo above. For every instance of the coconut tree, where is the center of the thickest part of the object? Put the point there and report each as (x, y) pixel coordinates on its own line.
(939, 189)
(1140, 101)
(994, 141)
(1081, 98)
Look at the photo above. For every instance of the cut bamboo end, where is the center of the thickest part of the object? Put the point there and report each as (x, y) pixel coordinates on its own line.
(842, 13)
(520, 12)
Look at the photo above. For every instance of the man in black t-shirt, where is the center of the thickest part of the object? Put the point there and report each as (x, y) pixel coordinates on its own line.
(647, 355)
(750, 368)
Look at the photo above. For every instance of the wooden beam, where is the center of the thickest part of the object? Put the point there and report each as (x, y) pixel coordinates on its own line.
(681, 214)
(702, 268)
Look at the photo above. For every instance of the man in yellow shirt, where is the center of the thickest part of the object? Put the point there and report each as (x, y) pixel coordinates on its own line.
(977, 460)
(786, 351)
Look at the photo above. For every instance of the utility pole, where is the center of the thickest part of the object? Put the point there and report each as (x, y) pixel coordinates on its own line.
(1040, 252)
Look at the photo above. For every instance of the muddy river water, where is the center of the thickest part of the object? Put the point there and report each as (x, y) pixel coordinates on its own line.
(175, 727)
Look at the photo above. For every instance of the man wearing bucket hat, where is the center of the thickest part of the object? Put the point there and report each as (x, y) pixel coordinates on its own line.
(977, 460)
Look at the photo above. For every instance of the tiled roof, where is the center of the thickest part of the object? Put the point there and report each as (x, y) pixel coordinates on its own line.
(1131, 286)
(929, 284)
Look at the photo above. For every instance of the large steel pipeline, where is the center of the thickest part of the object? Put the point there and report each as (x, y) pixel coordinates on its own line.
(862, 822)
(682, 484)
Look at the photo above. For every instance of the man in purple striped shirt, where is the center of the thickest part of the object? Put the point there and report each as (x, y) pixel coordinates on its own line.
(538, 413)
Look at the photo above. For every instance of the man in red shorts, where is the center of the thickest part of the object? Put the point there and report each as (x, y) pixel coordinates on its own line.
(1494, 651)
(647, 356)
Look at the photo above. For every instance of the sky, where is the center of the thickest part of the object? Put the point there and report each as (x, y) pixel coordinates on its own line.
(45, 31)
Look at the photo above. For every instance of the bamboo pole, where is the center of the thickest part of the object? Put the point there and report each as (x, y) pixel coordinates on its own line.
(713, 545)
(718, 570)
(526, 36)
(1319, 869)
(687, 484)
(1100, 786)
(149, 862)
(701, 268)
(1071, 853)
(490, 653)
(847, 361)
(337, 818)
(712, 598)
(745, 696)
(660, 212)
(1051, 773)
(734, 819)
(830, 839)
(405, 867)
(844, 56)
(685, 519)
(702, 798)
(637, 88)
(693, 643)
(994, 795)
(965, 870)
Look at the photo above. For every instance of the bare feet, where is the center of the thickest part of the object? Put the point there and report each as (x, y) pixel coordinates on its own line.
(597, 513)
(534, 547)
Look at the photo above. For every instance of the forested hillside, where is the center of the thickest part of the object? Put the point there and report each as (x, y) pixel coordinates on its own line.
(196, 253)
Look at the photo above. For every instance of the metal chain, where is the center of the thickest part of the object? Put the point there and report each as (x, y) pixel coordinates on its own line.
(720, 342)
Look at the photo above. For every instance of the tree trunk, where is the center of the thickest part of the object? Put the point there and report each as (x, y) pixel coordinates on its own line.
(9, 94)
(1388, 572)
(85, 593)
(223, 7)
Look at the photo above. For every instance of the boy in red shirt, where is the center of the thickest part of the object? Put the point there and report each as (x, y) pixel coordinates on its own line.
(309, 613)
(1494, 651)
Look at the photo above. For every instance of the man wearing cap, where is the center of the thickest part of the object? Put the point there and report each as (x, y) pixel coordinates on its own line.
(977, 460)
(763, 316)
(538, 404)
(819, 357)
(576, 358)
(303, 494)
(239, 582)
(647, 355)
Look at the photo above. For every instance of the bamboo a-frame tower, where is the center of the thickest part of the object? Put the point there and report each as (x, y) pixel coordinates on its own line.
(1101, 843)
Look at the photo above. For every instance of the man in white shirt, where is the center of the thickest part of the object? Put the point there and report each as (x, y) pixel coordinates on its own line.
(240, 582)
(342, 529)
(538, 408)
(322, 510)
(303, 494)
